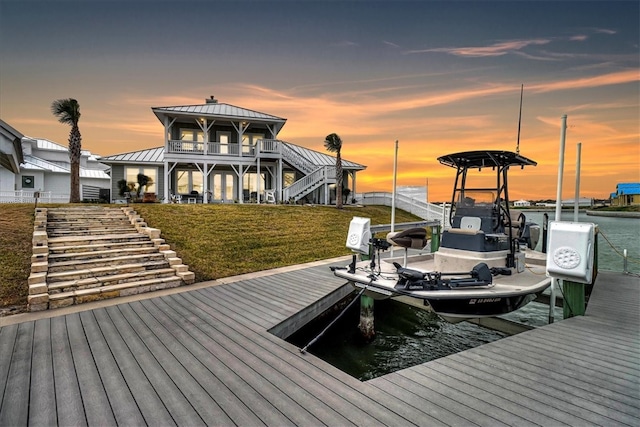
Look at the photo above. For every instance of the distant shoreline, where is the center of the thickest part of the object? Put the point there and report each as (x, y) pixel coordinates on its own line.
(614, 214)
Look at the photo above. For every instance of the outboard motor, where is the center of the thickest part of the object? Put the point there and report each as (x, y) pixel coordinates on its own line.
(531, 235)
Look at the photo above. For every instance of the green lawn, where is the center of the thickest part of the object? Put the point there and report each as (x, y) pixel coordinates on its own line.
(214, 240)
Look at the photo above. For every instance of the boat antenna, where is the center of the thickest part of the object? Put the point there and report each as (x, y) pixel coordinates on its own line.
(519, 119)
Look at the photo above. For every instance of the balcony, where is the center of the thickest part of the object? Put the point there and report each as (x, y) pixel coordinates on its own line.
(269, 146)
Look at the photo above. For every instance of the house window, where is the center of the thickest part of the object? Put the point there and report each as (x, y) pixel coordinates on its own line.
(131, 175)
(28, 181)
(289, 178)
(191, 135)
(188, 181)
(250, 184)
(224, 186)
(249, 141)
(223, 140)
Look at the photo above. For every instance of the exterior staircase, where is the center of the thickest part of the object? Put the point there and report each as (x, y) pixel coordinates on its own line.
(302, 187)
(83, 254)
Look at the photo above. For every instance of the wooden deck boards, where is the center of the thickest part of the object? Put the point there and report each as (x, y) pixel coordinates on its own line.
(205, 357)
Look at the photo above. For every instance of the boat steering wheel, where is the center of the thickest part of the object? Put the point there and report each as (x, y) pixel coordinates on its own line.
(500, 216)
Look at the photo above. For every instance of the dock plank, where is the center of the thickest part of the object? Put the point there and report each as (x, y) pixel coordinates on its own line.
(94, 398)
(550, 391)
(42, 405)
(216, 389)
(124, 406)
(15, 403)
(171, 396)
(69, 407)
(236, 377)
(7, 342)
(151, 406)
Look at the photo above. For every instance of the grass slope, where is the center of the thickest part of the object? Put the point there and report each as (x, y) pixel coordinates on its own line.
(214, 240)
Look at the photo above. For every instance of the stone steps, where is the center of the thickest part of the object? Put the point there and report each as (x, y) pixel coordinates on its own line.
(65, 299)
(93, 231)
(97, 247)
(124, 275)
(57, 242)
(70, 265)
(87, 253)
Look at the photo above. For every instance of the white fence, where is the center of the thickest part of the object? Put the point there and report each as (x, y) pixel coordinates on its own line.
(88, 193)
(424, 210)
(22, 196)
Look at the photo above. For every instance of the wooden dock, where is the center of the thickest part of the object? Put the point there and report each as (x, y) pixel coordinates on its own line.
(207, 357)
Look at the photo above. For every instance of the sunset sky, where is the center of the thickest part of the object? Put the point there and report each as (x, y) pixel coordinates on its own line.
(437, 76)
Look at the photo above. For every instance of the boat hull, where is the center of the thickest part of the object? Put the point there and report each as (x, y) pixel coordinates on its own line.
(471, 308)
(504, 295)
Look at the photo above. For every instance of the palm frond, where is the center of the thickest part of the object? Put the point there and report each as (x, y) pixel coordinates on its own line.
(66, 110)
(333, 143)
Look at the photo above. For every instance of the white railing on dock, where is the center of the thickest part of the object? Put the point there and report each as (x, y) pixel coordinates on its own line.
(427, 211)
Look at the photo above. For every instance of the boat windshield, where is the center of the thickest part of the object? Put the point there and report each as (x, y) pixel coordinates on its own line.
(476, 198)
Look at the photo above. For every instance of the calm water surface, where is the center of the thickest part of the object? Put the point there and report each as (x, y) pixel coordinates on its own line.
(405, 336)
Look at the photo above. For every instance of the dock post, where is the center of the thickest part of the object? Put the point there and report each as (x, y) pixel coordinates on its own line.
(435, 238)
(573, 299)
(366, 325)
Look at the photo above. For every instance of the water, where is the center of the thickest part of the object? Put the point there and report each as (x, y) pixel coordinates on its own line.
(405, 336)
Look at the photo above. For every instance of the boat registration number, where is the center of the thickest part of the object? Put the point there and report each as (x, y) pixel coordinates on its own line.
(483, 300)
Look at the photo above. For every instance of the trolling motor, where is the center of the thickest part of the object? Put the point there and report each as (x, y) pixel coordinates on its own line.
(414, 280)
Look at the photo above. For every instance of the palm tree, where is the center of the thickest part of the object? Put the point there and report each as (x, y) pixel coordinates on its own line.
(68, 112)
(333, 143)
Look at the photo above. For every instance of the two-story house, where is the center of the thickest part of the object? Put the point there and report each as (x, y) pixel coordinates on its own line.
(216, 152)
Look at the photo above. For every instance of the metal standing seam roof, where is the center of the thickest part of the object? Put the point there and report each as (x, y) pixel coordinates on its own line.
(156, 155)
(45, 144)
(151, 155)
(35, 163)
(219, 110)
(627, 188)
(322, 159)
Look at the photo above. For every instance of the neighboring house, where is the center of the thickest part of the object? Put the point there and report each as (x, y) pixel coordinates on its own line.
(215, 152)
(31, 165)
(521, 203)
(46, 168)
(10, 158)
(627, 194)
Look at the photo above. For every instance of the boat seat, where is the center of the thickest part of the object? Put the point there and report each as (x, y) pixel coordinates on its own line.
(412, 238)
(470, 223)
(518, 220)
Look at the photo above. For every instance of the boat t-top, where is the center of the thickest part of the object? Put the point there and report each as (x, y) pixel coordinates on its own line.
(486, 264)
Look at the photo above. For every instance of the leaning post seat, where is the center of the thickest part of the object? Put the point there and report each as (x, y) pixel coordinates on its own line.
(412, 238)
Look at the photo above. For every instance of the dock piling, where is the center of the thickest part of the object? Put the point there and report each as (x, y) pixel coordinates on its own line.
(366, 324)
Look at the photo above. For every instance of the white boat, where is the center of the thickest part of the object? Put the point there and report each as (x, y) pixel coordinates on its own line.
(485, 266)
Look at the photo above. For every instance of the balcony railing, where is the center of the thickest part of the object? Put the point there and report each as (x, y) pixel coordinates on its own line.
(212, 148)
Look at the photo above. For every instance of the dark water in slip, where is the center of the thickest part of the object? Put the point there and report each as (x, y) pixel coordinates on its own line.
(407, 336)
